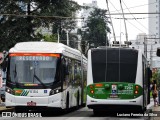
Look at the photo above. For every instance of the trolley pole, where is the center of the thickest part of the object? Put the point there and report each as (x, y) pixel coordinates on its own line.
(124, 21)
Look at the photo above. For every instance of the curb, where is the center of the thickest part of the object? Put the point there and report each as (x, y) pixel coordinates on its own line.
(6, 110)
(155, 109)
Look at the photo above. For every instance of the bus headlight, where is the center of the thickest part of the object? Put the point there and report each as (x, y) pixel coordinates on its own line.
(55, 91)
(9, 90)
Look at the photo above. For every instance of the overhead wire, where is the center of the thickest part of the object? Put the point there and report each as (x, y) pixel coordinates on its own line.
(135, 17)
(135, 6)
(121, 14)
(37, 16)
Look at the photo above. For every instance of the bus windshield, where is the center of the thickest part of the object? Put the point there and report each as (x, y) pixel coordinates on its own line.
(33, 69)
(114, 65)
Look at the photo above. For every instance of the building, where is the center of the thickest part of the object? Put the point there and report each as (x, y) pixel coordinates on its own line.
(86, 12)
(148, 45)
(154, 31)
(154, 19)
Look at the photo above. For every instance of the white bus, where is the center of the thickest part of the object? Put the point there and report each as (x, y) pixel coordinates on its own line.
(117, 80)
(45, 75)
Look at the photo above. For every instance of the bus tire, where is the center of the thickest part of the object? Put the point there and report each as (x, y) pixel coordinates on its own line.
(19, 109)
(67, 101)
(144, 109)
(83, 104)
(95, 112)
(3, 99)
(77, 99)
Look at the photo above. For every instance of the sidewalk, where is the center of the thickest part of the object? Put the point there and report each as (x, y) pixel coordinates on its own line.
(156, 110)
(4, 109)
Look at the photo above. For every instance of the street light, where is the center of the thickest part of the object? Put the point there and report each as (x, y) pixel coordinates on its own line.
(58, 34)
(151, 50)
(67, 36)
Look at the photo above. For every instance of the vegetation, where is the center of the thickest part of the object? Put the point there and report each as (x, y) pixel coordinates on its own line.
(17, 28)
(96, 29)
(156, 76)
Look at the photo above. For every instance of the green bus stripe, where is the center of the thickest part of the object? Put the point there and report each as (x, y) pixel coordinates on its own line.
(26, 93)
(23, 93)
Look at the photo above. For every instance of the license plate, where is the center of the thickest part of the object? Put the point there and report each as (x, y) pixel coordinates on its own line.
(31, 103)
(113, 96)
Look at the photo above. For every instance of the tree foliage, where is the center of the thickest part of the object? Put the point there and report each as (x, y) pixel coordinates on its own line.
(96, 29)
(23, 28)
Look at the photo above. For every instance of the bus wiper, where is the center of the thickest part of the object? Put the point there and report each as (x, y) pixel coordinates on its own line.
(35, 76)
(15, 71)
(15, 75)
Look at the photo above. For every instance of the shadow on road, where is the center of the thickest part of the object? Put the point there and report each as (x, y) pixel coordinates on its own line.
(57, 112)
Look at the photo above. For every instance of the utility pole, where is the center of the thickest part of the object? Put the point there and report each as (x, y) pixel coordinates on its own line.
(67, 38)
(151, 50)
(145, 47)
(58, 34)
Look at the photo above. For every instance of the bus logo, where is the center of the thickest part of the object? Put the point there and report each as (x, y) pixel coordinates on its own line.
(45, 91)
(114, 89)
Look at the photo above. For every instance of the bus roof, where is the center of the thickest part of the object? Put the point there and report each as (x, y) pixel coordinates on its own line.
(44, 47)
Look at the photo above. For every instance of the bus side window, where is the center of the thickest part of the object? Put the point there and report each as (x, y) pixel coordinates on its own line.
(65, 68)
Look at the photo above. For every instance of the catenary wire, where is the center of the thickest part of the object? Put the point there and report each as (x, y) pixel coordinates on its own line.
(135, 18)
(127, 21)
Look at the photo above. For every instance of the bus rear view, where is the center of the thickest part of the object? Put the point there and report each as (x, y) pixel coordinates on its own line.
(116, 79)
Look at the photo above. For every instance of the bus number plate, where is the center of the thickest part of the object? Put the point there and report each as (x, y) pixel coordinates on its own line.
(113, 96)
(31, 103)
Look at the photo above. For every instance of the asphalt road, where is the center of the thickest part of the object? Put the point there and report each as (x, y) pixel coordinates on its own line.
(74, 114)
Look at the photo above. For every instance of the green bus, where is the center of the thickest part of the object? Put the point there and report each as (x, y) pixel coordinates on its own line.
(117, 78)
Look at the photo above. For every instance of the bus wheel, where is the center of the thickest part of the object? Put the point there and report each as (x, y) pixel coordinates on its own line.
(144, 110)
(95, 112)
(3, 99)
(67, 101)
(77, 99)
(18, 110)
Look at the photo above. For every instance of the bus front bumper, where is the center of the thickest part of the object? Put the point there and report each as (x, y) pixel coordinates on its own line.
(44, 101)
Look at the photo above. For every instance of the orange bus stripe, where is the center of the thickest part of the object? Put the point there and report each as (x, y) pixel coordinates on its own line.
(34, 54)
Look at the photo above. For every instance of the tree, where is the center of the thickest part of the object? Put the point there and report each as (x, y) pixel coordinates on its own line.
(22, 28)
(96, 29)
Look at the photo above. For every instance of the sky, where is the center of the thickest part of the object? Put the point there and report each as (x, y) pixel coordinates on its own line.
(134, 27)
